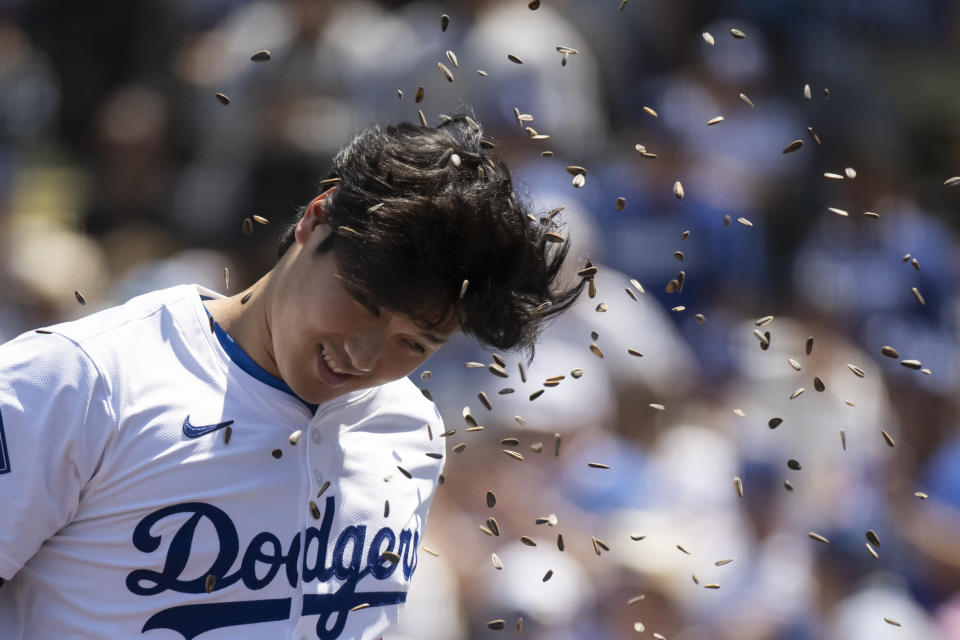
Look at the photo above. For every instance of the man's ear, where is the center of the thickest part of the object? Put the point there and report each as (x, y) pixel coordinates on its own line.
(315, 217)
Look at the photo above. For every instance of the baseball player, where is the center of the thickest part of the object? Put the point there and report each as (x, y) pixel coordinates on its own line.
(189, 465)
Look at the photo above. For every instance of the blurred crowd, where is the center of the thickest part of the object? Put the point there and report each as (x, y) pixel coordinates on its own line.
(121, 173)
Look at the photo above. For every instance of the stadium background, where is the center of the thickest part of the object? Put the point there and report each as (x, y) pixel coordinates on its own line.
(121, 173)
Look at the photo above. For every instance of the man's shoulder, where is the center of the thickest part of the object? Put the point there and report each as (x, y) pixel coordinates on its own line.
(403, 397)
(115, 319)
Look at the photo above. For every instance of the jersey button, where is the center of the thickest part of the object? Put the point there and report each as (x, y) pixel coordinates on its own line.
(316, 435)
(317, 476)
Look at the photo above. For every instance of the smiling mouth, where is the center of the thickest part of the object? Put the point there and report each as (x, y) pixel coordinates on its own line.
(333, 365)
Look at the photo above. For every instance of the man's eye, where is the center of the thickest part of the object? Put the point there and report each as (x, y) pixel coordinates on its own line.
(416, 346)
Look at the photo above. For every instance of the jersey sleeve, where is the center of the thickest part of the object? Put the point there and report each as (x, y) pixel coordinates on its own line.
(54, 421)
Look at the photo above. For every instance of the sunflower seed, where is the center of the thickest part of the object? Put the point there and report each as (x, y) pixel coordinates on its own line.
(843, 439)
(276, 453)
(80, 298)
(700, 318)
(952, 182)
(873, 538)
(597, 465)
(713, 121)
(493, 526)
(890, 352)
(482, 73)
(636, 537)
(598, 544)
(554, 237)
(223, 98)
(797, 393)
(744, 97)
(579, 180)
(818, 384)
(893, 622)
(404, 471)
(227, 433)
(496, 625)
(295, 437)
(915, 264)
(712, 585)
(514, 58)
(601, 307)
(813, 135)
(533, 5)
(497, 564)
(833, 176)
(556, 445)
(765, 320)
(260, 56)
(818, 537)
(793, 146)
(918, 295)
(623, 3)
(793, 363)
(575, 170)
(513, 454)
(635, 353)
(911, 364)
(485, 400)
(498, 370)
(491, 500)
(423, 118)
(787, 485)
(807, 95)
(736, 33)
(460, 447)
(565, 49)
(452, 57)
(434, 455)
(527, 541)
(485, 530)
(657, 406)
(921, 495)
(678, 190)
(839, 212)
(738, 486)
(793, 464)
(536, 394)
(809, 345)
(651, 112)
(681, 547)
(472, 429)
(621, 203)
(708, 38)
(887, 438)
(445, 72)
(773, 423)
(857, 371)
(511, 442)
(872, 551)
(726, 220)
(696, 580)
(720, 563)
(444, 22)
(210, 583)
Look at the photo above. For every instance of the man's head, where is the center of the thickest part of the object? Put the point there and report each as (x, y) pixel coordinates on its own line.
(377, 262)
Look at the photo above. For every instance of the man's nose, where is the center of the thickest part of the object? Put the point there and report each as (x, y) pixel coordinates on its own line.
(365, 349)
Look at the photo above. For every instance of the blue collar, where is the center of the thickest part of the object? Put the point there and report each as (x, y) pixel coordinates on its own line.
(245, 362)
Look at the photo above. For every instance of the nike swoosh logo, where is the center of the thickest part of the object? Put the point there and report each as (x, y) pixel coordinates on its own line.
(192, 431)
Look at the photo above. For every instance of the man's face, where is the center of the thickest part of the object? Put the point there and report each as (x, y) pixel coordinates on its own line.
(327, 338)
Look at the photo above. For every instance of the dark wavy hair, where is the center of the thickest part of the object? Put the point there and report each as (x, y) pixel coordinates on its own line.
(420, 209)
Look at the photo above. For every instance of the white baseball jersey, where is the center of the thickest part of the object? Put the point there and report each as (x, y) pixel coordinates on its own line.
(126, 513)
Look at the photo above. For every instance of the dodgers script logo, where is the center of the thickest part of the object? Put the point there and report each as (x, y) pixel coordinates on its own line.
(266, 551)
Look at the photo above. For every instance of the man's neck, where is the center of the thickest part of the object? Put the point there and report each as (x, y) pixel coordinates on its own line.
(248, 323)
